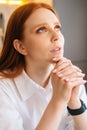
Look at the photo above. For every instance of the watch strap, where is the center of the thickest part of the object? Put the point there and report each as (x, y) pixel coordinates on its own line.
(79, 111)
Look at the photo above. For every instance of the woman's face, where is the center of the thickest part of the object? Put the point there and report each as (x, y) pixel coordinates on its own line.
(43, 39)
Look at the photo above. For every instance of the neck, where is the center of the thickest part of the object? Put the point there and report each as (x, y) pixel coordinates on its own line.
(40, 73)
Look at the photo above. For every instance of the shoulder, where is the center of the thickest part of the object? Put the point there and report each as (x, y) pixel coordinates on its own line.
(4, 81)
(7, 88)
(5, 85)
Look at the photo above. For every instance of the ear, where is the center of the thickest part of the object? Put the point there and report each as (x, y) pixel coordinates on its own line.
(18, 45)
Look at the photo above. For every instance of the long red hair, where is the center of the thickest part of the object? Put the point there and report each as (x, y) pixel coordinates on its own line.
(12, 62)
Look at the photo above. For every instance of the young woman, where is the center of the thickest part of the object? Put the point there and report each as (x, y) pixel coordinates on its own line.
(40, 89)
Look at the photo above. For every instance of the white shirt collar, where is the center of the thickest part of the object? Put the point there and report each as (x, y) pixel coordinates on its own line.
(27, 87)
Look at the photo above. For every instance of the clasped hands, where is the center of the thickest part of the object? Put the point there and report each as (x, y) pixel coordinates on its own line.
(66, 80)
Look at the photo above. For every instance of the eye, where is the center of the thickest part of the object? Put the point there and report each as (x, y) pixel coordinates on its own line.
(57, 28)
(41, 29)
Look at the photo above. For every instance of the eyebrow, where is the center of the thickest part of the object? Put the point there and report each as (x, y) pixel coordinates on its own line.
(42, 24)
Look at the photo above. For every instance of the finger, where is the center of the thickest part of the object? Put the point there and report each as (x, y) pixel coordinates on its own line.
(77, 68)
(62, 65)
(72, 79)
(70, 74)
(69, 71)
(56, 59)
(76, 83)
(65, 71)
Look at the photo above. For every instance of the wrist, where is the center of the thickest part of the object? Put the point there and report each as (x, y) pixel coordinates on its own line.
(58, 104)
(79, 110)
(74, 104)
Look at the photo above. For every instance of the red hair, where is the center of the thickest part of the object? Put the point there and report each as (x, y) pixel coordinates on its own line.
(12, 62)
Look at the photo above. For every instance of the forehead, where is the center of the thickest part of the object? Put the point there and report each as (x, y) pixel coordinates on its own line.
(40, 16)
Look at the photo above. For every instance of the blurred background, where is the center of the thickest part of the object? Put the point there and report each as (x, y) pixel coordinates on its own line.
(73, 17)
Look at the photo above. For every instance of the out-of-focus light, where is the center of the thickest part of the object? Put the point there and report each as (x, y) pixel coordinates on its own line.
(16, 2)
(20, 2)
(2, 1)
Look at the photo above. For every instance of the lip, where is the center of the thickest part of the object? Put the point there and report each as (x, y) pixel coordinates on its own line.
(56, 49)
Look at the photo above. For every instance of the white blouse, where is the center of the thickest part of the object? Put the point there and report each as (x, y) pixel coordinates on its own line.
(22, 103)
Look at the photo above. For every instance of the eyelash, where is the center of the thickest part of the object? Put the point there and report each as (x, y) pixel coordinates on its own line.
(41, 29)
(58, 28)
(44, 29)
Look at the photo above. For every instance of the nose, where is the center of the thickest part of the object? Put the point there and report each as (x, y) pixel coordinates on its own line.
(54, 36)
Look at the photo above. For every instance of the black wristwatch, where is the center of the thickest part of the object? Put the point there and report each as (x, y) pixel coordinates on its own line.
(79, 111)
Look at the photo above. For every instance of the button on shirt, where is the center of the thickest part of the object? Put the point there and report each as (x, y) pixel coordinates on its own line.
(22, 103)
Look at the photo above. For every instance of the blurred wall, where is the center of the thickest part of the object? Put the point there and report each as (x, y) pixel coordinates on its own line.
(73, 17)
(6, 11)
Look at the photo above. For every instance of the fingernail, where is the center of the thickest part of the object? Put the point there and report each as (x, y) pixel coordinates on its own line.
(85, 81)
(55, 59)
(59, 75)
(83, 74)
(55, 70)
(67, 80)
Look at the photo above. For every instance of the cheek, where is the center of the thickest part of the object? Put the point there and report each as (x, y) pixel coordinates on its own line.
(34, 48)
